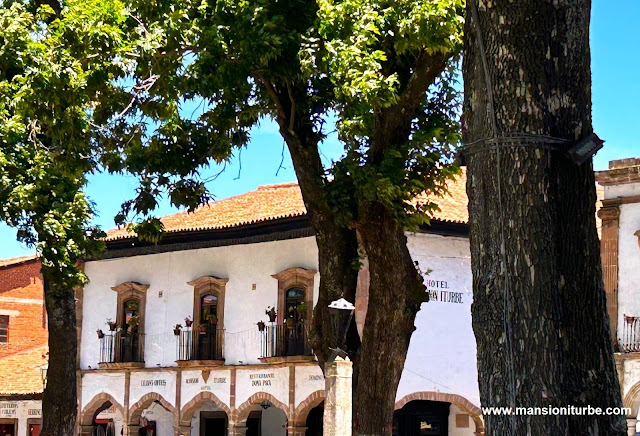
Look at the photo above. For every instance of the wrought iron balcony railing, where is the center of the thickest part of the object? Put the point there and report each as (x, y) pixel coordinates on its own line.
(281, 340)
(120, 347)
(200, 343)
(630, 340)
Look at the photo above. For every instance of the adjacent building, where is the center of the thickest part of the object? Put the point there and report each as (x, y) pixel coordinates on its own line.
(179, 337)
(620, 248)
(23, 346)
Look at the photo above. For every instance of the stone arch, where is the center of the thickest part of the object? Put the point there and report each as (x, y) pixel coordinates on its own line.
(632, 400)
(97, 404)
(196, 403)
(459, 401)
(136, 410)
(241, 414)
(303, 409)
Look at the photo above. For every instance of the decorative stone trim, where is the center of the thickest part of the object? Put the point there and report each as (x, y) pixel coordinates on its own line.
(97, 405)
(632, 400)
(208, 285)
(196, 402)
(457, 400)
(287, 359)
(135, 411)
(240, 415)
(303, 409)
(291, 278)
(129, 290)
(199, 363)
(610, 216)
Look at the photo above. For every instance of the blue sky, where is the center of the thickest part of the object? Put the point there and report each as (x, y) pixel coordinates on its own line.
(615, 36)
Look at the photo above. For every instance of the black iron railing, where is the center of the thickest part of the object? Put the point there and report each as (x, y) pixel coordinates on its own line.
(118, 347)
(279, 340)
(630, 340)
(201, 343)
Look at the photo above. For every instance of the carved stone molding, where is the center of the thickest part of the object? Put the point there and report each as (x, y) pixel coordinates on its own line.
(293, 278)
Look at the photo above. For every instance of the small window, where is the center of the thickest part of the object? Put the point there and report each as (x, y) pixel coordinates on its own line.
(4, 329)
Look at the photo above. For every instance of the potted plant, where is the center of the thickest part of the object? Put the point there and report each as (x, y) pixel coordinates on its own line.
(302, 309)
(112, 325)
(133, 322)
(271, 313)
(188, 321)
(260, 325)
(177, 329)
(100, 334)
(209, 317)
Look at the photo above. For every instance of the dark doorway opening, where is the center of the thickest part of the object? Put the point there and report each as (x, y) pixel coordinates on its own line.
(8, 429)
(422, 418)
(314, 421)
(213, 424)
(254, 423)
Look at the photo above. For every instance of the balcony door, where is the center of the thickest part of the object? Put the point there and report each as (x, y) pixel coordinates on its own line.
(130, 328)
(207, 334)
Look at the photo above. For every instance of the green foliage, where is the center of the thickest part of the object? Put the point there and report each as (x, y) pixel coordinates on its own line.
(105, 85)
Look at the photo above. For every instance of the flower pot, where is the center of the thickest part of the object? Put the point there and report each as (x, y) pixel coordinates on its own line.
(261, 326)
(100, 334)
(112, 326)
(188, 322)
(177, 332)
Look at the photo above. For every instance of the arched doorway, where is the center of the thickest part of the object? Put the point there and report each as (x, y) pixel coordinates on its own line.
(153, 413)
(436, 414)
(205, 415)
(263, 415)
(314, 421)
(102, 416)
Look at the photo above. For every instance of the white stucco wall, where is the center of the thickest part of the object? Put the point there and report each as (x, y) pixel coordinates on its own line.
(160, 382)
(453, 430)
(218, 383)
(243, 265)
(442, 353)
(22, 411)
(441, 356)
(274, 381)
(111, 383)
(628, 263)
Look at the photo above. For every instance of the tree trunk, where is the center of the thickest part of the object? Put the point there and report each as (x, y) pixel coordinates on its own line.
(539, 312)
(59, 403)
(396, 291)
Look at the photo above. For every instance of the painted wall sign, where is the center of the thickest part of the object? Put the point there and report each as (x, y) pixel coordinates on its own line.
(8, 409)
(153, 382)
(315, 377)
(261, 379)
(192, 381)
(34, 412)
(439, 295)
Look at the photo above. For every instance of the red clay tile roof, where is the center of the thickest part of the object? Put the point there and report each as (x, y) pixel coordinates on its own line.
(271, 202)
(20, 372)
(16, 260)
(266, 203)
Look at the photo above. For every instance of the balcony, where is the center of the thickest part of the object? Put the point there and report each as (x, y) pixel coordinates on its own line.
(285, 342)
(197, 345)
(630, 340)
(122, 349)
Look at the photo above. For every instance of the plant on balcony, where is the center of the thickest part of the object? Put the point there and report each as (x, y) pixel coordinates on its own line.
(260, 325)
(209, 317)
(134, 321)
(302, 309)
(112, 325)
(188, 321)
(271, 313)
(100, 334)
(177, 329)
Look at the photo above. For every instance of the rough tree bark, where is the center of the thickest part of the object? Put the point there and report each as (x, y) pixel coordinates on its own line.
(539, 313)
(59, 403)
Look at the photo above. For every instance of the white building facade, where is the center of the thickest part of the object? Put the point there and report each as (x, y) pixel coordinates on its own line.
(620, 248)
(220, 373)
